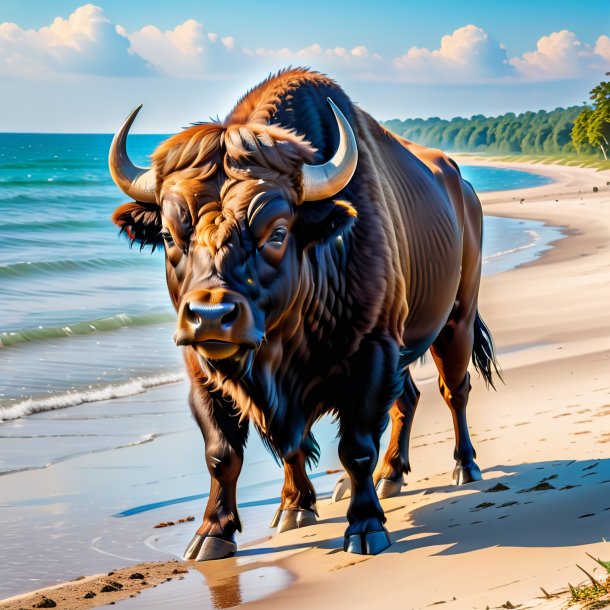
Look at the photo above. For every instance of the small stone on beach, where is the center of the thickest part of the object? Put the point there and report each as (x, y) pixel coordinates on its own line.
(185, 519)
(136, 576)
(45, 602)
(89, 595)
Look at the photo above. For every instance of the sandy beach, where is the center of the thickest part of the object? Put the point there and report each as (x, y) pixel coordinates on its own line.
(542, 441)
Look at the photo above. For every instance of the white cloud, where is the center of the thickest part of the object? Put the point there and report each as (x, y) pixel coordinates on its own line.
(187, 51)
(358, 61)
(468, 54)
(178, 52)
(229, 42)
(84, 43)
(317, 52)
(561, 55)
(602, 47)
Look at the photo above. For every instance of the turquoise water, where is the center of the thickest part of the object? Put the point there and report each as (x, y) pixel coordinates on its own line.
(83, 318)
(486, 179)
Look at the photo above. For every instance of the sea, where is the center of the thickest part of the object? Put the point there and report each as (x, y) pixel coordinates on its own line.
(83, 317)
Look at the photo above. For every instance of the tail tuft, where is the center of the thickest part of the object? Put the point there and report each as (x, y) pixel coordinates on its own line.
(484, 353)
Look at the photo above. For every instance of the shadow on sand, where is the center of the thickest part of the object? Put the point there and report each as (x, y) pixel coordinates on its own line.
(545, 504)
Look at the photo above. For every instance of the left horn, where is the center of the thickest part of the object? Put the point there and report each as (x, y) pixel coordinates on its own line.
(326, 180)
(136, 182)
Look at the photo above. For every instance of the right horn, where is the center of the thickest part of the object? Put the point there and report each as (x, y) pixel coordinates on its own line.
(326, 180)
(136, 182)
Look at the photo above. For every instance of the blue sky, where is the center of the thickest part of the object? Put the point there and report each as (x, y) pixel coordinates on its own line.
(72, 66)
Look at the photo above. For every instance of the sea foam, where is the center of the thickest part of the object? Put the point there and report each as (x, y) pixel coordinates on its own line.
(72, 398)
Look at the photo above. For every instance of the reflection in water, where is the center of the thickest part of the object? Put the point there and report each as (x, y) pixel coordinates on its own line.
(235, 581)
(227, 593)
(214, 585)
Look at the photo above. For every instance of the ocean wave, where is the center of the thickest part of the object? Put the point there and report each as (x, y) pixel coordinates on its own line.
(72, 398)
(36, 267)
(87, 327)
(535, 239)
(53, 181)
(19, 195)
(33, 225)
(55, 161)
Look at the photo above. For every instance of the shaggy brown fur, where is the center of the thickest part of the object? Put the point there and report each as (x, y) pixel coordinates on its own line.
(327, 316)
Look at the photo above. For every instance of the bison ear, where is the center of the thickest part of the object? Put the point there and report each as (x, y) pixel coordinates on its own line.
(323, 220)
(141, 222)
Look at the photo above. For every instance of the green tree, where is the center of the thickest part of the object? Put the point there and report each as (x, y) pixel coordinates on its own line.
(592, 126)
(580, 139)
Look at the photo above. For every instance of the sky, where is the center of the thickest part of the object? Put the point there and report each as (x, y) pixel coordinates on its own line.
(71, 66)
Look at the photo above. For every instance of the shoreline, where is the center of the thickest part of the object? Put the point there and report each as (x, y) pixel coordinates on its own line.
(529, 341)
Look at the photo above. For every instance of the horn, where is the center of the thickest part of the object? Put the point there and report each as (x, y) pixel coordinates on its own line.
(136, 182)
(326, 180)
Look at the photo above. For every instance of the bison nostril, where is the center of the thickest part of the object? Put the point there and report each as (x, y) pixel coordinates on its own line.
(192, 317)
(230, 316)
(209, 315)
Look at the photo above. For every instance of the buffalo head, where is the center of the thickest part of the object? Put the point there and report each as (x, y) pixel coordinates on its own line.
(236, 206)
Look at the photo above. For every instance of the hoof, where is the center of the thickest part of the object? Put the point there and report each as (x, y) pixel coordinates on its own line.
(204, 548)
(286, 519)
(386, 488)
(369, 543)
(343, 488)
(466, 474)
(276, 518)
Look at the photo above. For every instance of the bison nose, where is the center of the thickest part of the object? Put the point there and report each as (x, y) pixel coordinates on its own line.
(216, 322)
(209, 327)
(203, 315)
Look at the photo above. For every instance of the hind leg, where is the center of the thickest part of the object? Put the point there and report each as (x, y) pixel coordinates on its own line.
(298, 504)
(451, 352)
(389, 476)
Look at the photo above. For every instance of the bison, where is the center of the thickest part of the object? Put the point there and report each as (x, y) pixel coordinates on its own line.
(312, 257)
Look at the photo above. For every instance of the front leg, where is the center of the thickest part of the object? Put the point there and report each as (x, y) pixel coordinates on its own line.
(375, 383)
(298, 504)
(224, 437)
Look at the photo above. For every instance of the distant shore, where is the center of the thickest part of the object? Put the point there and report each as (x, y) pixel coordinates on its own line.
(544, 436)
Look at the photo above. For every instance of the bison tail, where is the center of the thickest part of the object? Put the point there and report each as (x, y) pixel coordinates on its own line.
(484, 353)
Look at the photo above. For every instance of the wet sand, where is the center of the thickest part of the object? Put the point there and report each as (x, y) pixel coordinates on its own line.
(85, 488)
(544, 436)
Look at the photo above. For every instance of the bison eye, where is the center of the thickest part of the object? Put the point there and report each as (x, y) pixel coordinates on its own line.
(167, 237)
(278, 236)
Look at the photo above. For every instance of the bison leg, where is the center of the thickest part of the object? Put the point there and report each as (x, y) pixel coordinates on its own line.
(298, 505)
(451, 352)
(374, 386)
(224, 437)
(389, 476)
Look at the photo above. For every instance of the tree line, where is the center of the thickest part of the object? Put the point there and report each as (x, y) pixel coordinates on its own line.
(574, 130)
(528, 133)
